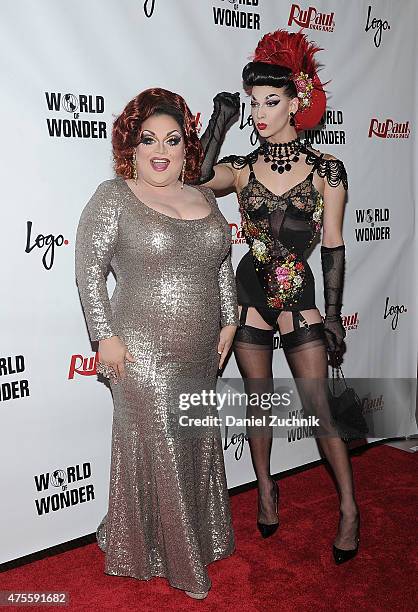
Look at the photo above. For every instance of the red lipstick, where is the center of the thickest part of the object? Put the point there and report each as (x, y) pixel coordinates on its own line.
(261, 126)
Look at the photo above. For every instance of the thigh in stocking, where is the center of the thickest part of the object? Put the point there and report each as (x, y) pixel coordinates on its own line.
(309, 366)
(253, 348)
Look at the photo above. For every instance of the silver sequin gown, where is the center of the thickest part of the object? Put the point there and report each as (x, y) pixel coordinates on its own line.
(168, 512)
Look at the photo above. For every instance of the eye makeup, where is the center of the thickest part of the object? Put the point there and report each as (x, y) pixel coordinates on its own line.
(271, 100)
(147, 139)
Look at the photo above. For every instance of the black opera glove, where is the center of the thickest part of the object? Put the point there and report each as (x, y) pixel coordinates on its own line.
(226, 107)
(333, 260)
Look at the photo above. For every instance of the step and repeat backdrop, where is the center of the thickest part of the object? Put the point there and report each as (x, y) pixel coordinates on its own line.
(67, 70)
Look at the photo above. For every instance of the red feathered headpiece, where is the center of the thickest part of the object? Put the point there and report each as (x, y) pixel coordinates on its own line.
(293, 50)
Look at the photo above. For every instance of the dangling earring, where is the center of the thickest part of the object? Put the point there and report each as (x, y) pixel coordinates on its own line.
(183, 173)
(134, 171)
(292, 119)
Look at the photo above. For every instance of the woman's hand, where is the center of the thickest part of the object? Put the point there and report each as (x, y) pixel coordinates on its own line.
(226, 338)
(112, 356)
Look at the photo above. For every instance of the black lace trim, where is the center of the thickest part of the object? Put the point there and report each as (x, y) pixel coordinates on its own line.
(240, 161)
(331, 169)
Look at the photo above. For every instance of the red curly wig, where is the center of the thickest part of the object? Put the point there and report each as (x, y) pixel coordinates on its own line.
(127, 128)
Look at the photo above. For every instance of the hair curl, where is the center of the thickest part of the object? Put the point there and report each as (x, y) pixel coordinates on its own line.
(127, 128)
(260, 73)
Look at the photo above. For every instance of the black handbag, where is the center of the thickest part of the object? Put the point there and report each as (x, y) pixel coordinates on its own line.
(346, 409)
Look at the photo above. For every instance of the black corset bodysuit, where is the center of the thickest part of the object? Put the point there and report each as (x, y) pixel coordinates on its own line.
(275, 275)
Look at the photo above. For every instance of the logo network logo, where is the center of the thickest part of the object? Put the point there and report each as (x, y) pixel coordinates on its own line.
(311, 18)
(61, 479)
(350, 321)
(389, 129)
(377, 25)
(149, 6)
(14, 389)
(323, 135)
(84, 366)
(394, 311)
(48, 242)
(75, 105)
(237, 441)
(232, 17)
(372, 231)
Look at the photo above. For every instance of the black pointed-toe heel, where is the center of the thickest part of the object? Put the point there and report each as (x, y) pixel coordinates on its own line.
(341, 556)
(265, 529)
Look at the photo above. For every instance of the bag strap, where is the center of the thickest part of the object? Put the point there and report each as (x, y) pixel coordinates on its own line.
(338, 369)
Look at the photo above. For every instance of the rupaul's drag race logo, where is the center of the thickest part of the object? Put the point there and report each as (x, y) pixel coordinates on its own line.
(389, 129)
(311, 18)
(236, 233)
(78, 106)
(63, 488)
(350, 321)
(13, 389)
(198, 122)
(47, 244)
(233, 16)
(83, 366)
(370, 404)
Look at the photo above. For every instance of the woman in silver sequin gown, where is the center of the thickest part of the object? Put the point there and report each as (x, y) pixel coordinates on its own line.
(173, 312)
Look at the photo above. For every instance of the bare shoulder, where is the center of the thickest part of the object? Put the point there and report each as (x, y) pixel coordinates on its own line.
(235, 163)
(240, 166)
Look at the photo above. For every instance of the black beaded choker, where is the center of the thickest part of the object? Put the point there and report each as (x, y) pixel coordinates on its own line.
(281, 155)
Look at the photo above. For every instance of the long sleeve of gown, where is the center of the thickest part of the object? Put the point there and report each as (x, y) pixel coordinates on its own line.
(96, 241)
(228, 293)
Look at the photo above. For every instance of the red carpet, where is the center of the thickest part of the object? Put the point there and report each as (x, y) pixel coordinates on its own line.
(292, 571)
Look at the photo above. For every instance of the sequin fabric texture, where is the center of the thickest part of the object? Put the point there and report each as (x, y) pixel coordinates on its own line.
(168, 512)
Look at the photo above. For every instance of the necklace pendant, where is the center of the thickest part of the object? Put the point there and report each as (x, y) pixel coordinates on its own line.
(281, 155)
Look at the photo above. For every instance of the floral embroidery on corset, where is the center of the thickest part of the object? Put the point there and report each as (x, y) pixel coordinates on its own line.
(317, 216)
(281, 272)
(281, 268)
(289, 281)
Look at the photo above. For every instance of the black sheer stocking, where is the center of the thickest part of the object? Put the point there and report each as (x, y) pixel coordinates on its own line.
(255, 364)
(308, 364)
(309, 368)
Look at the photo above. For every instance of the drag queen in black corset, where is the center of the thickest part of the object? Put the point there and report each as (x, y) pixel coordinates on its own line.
(287, 192)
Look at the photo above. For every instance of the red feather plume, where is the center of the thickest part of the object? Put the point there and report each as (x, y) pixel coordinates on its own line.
(294, 51)
(290, 49)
